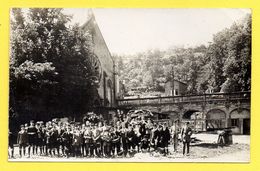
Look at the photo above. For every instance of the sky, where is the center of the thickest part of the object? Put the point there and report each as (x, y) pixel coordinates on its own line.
(129, 31)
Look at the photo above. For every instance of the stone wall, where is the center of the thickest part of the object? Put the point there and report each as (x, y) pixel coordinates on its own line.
(107, 82)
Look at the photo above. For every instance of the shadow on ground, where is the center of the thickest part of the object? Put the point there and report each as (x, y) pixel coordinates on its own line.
(206, 145)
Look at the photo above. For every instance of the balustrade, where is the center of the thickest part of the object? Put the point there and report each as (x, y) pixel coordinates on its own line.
(236, 96)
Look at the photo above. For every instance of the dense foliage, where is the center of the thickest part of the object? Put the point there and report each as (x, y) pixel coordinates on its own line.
(50, 68)
(222, 66)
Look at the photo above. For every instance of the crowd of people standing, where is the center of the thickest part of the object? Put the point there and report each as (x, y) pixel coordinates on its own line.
(98, 139)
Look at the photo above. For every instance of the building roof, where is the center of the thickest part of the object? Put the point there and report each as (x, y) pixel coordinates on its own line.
(176, 81)
(91, 17)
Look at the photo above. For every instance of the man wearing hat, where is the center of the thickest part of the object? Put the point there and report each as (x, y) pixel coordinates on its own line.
(145, 141)
(154, 136)
(124, 140)
(186, 137)
(166, 138)
(39, 137)
(97, 140)
(77, 142)
(22, 140)
(53, 143)
(131, 138)
(106, 136)
(174, 133)
(48, 142)
(100, 129)
(88, 140)
(67, 141)
(32, 133)
(115, 134)
(159, 140)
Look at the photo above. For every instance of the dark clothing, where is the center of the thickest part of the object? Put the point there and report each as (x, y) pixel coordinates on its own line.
(67, 141)
(97, 142)
(131, 139)
(32, 131)
(145, 141)
(76, 143)
(186, 134)
(116, 142)
(124, 141)
(88, 138)
(160, 139)
(107, 143)
(77, 140)
(54, 135)
(39, 137)
(166, 137)
(22, 138)
(11, 140)
(186, 145)
(142, 130)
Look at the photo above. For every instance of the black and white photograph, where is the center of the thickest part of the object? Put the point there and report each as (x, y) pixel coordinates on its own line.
(129, 85)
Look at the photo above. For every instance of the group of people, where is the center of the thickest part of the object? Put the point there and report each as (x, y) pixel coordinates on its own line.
(98, 139)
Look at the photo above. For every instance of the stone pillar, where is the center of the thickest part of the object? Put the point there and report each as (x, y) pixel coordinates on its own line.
(180, 114)
(228, 119)
(228, 116)
(241, 123)
(203, 107)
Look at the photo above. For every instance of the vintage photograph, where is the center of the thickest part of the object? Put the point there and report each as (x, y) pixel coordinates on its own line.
(129, 85)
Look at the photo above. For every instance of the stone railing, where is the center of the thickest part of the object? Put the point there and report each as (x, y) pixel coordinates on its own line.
(201, 98)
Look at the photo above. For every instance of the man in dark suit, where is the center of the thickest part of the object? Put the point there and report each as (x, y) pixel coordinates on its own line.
(32, 134)
(166, 138)
(22, 140)
(186, 138)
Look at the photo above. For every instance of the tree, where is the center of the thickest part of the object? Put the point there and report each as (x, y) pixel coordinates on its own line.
(51, 65)
(217, 53)
(222, 66)
(237, 67)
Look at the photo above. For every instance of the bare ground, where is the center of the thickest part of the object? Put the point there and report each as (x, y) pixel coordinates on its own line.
(204, 149)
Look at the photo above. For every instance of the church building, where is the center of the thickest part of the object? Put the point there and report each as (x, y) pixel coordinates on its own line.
(104, 65)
